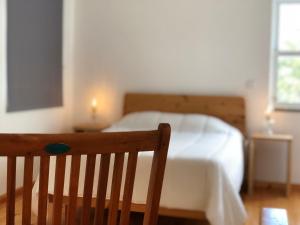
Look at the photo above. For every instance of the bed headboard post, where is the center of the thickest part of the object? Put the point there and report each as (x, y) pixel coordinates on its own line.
(231, 109)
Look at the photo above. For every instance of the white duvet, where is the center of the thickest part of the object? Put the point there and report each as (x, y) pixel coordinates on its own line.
(204, 169)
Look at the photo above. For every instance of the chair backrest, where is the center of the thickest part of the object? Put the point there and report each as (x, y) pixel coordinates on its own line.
(90, 144)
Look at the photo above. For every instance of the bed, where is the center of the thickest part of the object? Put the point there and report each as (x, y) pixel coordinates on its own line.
(204, 171)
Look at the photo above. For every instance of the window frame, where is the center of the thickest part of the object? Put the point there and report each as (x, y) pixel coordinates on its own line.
(275, 54)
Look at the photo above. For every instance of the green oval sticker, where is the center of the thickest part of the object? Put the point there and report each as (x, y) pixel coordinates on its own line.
(57, 148)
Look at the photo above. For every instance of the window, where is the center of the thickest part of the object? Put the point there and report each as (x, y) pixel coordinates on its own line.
(285, 66)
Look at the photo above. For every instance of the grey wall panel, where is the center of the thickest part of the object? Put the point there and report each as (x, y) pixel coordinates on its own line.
(34, 54)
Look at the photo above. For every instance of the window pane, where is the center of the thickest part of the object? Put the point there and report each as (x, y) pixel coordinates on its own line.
(289, 27)
(288, 80)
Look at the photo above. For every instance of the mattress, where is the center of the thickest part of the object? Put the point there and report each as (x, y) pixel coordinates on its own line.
(204, 169)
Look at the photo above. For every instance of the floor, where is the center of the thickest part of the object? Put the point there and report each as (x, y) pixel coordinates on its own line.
(275, 199)
(261, 198)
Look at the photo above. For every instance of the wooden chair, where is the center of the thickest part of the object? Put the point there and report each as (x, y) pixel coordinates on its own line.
(90, 144)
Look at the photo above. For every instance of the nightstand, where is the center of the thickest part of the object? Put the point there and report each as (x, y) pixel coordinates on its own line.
(251, 157)
(90, 127)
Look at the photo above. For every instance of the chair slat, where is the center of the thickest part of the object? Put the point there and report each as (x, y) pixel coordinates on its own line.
(102, 188)
(27, 190)
(11, 190)
(156, 176)
(58, 189)
(73, 189)
(88, 189)
(43, 190)
(128, 189)
(115, 189)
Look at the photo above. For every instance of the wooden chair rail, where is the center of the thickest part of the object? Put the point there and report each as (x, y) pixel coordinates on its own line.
(75, 145)
(79, 143)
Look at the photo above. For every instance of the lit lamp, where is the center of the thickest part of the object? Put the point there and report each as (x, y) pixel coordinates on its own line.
(269, 120)
(94, 107)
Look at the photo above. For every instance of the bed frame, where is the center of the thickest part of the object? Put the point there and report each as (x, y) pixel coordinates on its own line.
(231, 109)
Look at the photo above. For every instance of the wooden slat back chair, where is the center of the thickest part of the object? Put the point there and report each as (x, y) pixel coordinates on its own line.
(75, 145)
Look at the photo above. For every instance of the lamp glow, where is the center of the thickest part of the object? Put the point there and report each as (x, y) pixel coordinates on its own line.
(94, 103)
(94, 106)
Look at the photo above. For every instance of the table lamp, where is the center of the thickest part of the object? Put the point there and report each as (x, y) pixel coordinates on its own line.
(269, 121)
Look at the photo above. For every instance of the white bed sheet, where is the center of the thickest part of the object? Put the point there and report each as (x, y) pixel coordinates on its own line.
(204, 169)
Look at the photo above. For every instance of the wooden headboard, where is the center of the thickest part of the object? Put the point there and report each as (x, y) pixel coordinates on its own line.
(228, 108)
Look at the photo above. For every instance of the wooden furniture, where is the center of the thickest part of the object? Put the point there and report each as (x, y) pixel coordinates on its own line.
(231, 109)
(90, 127)
(251, 159)
(271, 216)
(29, 146)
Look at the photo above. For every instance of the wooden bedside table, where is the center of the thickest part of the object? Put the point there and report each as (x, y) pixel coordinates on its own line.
(90, 127)
(251, 157)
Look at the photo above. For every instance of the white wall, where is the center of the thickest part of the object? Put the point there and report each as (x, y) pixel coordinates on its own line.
(36, 121)
(170, 46)
(192, 46)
